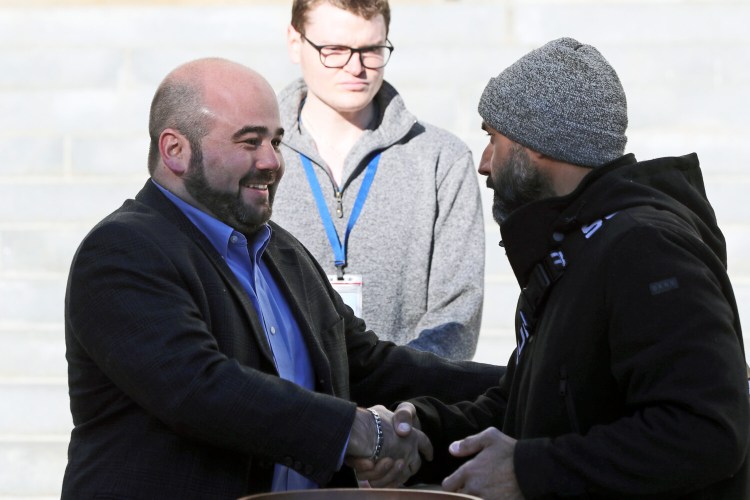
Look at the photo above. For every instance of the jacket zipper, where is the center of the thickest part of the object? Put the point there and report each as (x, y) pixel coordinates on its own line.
(339, 204)
(566, 394)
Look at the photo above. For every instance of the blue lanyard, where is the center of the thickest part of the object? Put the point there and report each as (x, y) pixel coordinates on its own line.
(339, 250)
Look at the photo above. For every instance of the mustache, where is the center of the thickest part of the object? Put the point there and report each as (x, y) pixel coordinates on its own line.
(489, 183)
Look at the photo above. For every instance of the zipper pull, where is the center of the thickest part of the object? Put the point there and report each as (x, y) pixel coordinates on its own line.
(339, 205)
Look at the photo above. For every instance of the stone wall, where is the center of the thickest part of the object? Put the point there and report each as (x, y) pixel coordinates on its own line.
(76, 79)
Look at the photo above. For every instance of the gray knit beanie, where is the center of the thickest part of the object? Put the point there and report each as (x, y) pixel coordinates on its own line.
(563, 100)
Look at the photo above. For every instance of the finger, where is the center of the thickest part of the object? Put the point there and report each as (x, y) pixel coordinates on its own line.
(360, 464)
(395, 477)
(404, 473)
(403, 419)
(377, 471)
(413, 467)
(455, 481)
(424, 446)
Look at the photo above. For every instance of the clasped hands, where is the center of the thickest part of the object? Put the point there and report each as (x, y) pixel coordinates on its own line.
(403, 446)
(489, 474)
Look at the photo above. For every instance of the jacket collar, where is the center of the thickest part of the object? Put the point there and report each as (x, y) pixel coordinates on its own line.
(152, 197)
(673, 184)
(393, 124)
(282, 256)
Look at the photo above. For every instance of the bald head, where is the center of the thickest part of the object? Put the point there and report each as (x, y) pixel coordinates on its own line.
(185, 97)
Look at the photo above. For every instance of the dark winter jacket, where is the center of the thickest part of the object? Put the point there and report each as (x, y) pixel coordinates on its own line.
(632, 381)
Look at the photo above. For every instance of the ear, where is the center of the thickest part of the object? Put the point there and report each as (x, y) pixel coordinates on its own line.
(293, 44)
(175, 151)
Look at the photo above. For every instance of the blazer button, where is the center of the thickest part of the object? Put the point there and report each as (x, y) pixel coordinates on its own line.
(288, 461)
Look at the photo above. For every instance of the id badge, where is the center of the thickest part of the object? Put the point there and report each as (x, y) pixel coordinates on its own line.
(350, 289)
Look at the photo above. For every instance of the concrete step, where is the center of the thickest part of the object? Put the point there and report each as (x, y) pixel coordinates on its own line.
(32, 468)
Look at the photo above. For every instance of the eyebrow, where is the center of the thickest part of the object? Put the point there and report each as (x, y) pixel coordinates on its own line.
(255, 129)
(371, 46)
(484, 127)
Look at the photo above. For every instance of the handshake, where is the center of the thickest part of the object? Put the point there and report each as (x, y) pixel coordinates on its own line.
(386, 448)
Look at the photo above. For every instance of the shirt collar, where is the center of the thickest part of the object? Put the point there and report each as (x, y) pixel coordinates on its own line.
(218, 233)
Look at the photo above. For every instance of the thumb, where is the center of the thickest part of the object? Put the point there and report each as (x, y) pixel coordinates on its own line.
(468, 446)
(403, 419)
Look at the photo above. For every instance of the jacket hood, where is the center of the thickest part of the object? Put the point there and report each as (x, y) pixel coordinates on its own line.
(674, 184)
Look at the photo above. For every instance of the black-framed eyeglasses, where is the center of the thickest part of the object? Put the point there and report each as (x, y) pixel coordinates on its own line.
(338, 56)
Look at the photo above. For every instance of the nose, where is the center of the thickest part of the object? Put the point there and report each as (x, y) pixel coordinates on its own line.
(354, 65)
(268, 157)
(485, 162)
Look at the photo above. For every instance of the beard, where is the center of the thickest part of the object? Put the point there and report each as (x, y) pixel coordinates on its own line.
(227, 206)
(518, 182)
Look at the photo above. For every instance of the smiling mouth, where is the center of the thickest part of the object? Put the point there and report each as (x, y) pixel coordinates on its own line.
(262, 187)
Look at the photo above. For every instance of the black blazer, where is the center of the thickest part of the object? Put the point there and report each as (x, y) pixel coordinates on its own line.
(173, 388)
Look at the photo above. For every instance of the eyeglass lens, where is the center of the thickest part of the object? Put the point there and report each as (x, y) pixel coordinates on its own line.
(370, 57)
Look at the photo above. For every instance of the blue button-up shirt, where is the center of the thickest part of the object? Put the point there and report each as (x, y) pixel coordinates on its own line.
(282, 331)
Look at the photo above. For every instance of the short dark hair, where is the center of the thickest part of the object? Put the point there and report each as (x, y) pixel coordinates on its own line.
(176, 105)
(363, 8)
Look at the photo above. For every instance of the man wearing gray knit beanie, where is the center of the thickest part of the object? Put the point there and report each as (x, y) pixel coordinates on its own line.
(563, 102)
(629, 375)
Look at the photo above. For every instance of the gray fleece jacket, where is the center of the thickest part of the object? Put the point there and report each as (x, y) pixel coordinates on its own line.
(419, 240)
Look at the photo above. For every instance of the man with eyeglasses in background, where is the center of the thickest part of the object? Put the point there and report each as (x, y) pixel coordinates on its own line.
(376, 195)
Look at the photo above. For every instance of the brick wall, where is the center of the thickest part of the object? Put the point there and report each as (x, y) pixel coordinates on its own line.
(76, 79)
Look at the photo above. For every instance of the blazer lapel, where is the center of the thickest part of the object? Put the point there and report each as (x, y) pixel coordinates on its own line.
(284, 264)
(257, 329)
(151, 196)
